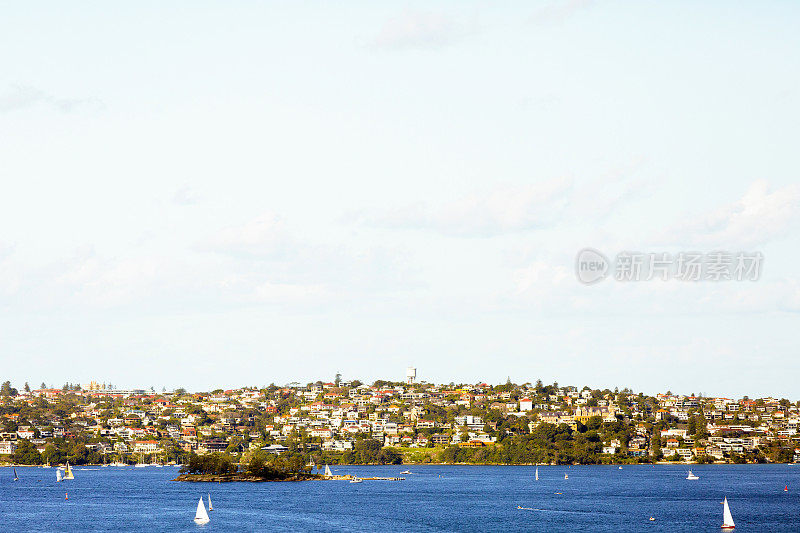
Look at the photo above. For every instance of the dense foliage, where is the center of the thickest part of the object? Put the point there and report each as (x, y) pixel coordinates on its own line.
(213, 463)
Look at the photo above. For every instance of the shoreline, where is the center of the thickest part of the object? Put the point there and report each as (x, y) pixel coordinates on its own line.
(241, 477)
(14, 465)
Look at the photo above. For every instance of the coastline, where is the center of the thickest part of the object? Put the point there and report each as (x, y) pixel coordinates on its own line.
(241, 477)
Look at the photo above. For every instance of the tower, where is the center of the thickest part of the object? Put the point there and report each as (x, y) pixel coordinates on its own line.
(411, 375)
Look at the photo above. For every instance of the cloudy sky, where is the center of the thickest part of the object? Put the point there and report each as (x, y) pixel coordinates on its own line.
(208, 194)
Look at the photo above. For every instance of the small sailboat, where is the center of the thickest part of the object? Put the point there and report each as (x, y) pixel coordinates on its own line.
(356, 480)
(210, 507)
(46, 465)
(58, 476)
(692, 476)
(328, 472)
(537, 473)
(201, 516)
(68, 472)
(16, 477)
(727, 518)
(785, 489)
(566, 476)
(406, 472)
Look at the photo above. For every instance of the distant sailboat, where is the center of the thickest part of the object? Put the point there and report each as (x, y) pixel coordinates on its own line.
(537, 473)
(68, 473)
(210, 507)
(16, 477)
(46, 465)
(328, 472)
(566, 476)
(727, 518)
(356, 480)
(201, 516)
(58, 475)
(692, 476)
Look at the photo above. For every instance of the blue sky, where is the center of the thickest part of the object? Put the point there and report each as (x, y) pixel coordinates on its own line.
(208, 194)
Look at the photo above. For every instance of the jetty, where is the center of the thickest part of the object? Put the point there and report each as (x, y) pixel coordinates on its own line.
(348, 477)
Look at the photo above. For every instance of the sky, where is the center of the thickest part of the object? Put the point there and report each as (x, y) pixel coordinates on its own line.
(219, 194)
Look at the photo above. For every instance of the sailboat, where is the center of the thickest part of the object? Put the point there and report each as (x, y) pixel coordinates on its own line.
(537, 473)
(566, 476)
(58, 475)
(692, 476)
(68, 473)
(16, 477)
(201, 516)
(328, 472)
(356, 480)
(727, 518)
(210, 507)
(46, 465)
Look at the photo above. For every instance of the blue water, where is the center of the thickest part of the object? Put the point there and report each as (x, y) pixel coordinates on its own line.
(433, 498)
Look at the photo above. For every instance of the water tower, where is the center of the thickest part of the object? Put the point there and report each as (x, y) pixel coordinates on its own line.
(411, 375)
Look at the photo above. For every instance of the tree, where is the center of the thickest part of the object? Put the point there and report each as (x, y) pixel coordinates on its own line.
(27, 387)
(26, 454)
(214, 463)
(7, 390)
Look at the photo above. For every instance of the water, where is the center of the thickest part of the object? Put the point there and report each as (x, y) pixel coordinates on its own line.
(434, 498)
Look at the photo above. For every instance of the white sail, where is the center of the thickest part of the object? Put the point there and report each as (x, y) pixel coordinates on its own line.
(328, 472)
(727, 518)
(210, 507)
(537, 473)
(201, 515)
(58, 475)
(68, 472)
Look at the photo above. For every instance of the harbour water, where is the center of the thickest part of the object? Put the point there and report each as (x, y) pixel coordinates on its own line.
(432, 498)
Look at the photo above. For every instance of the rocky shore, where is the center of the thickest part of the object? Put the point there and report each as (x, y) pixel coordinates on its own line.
(241, 476)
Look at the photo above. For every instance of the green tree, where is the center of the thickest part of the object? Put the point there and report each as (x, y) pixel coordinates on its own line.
(7, 390)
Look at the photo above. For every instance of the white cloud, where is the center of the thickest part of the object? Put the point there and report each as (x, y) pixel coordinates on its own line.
(417, 29)
(19, 97)
(558, 11)
(185, 196)
(756, 218)
(262, 237)
(502, 210)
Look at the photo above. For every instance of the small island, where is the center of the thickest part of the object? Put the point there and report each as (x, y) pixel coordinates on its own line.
(220, 468)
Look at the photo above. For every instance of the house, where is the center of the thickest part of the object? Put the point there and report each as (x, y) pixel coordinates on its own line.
(145, 446)
(525, 404)
(7, 447)
(210, 446)
(275, 448)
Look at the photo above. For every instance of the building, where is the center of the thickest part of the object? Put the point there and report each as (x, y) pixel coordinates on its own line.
(145, 446)
(411, 375)
(7, 447)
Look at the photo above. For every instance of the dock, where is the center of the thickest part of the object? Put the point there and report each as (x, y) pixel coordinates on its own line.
(348, 477)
